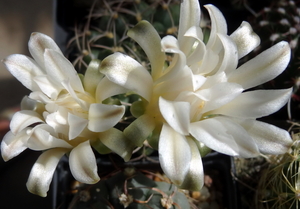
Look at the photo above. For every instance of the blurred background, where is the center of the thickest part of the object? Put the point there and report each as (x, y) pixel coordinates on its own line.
(18, 19)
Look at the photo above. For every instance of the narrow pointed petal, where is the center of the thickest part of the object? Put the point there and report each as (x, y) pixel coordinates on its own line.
(116, 141)
(106, 89)
(60, 69)
(103, 117)
(174, 154)
(83, 164)
(224, 136)
(23, 119)
(77, 124)
(190, 14)
(230, 55)
(256, 104)
(38, 43)
(43, 138)
(12, 145)
(245, 39)
(42, 172)
(219, 95)
(48, 86)
(262, 68)
(92, 77)
(138, 131)
(176, 114)
(194, 179)
(125, 71)
(148, 38)
(270, 139)
(24, 69)
(218, 26)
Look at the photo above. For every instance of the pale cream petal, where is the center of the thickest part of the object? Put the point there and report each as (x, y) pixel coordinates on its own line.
(190, 14)
(148, 38)
(128, 73)
(225, 136)
(138, 131)
(245, 39)
(103, 117)
(42, 171)
(38, 43)
(106, 89)
(174, 154)
(12, 145)
(92, 77)
(194, 179)
(60, 69)
(43, 137)
(264, 67)
(256, 104)
(270, 139)
(77, 124)
(48, 86)
(176, 114)
(229, 60)
(24, 69)
(23, 119)
(116, 141)
(218, 26)
(219, 95)
(83, 164)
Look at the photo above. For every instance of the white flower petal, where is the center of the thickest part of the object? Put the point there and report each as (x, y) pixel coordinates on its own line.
(48, 86)
(229, 61)
(225, 136)
(117, 142)
(138, 131)
(42, 171)
(12, 145)
(219, 95)
(174, 154)
(43, 137)
(148, 38)
(38, 43)
(218, 26)
(256, 104)
(92, 77)
(60, 69)
(125, 71)
(190, 14)
(194, 179)
(77, 124)
(264, 67)
(23, 119)
(83, 164)
(270, 139)
(176, 114)
(24, 69)
(103, 117)
(106, 89)
(245, 39)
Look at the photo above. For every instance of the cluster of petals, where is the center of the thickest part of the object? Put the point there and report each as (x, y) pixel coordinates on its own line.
(202, 99)
(64, 114)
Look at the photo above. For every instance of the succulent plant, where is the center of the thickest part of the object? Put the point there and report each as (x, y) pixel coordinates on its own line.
(130, 189)
(279, 185)
(103, 31)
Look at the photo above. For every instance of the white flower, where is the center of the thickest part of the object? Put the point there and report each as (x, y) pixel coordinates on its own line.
(199, 99)
(62, 115)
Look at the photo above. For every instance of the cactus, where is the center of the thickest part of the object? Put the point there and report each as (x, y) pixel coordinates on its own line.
(104, 30)
(129, 189)
(279, 185)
